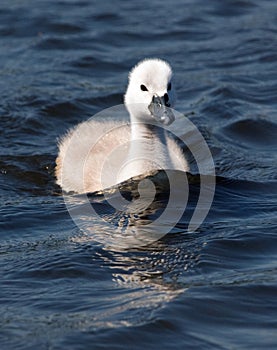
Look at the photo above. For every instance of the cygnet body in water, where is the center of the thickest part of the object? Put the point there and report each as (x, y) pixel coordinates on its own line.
(97, 154)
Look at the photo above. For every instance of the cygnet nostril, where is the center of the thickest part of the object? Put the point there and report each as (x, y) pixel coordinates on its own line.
(166, 100)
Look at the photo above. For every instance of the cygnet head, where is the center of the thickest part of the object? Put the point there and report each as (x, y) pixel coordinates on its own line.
(150, 94)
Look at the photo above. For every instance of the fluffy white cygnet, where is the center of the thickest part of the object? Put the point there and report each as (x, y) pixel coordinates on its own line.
(98, 154)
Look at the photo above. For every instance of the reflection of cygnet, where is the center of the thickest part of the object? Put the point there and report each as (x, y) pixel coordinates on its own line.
(98, 154)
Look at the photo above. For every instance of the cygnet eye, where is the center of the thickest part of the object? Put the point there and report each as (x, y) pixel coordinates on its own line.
(169, 86)
(143, 88)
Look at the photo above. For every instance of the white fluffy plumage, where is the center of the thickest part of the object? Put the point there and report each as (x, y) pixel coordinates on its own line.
(97, 154)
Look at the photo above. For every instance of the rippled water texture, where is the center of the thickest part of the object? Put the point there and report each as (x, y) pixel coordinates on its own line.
(60, 63)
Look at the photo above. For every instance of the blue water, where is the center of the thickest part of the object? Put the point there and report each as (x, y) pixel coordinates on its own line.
(60, 63)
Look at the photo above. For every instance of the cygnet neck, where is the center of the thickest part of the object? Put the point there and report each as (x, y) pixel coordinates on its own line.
(148, 150)
(149, 135)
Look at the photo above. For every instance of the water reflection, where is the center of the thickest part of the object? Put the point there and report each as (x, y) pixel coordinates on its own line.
(146, 279)
(146, 276)
(124, 217)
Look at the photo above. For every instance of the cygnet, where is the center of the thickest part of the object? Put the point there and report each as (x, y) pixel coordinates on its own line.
(98, 154)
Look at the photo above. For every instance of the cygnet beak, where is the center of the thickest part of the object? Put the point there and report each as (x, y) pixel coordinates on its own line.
(159, 108)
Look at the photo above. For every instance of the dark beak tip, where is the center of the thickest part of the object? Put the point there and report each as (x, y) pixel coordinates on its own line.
(159, 108)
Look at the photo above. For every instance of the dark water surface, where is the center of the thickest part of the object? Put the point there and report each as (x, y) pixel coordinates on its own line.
(63, 61)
